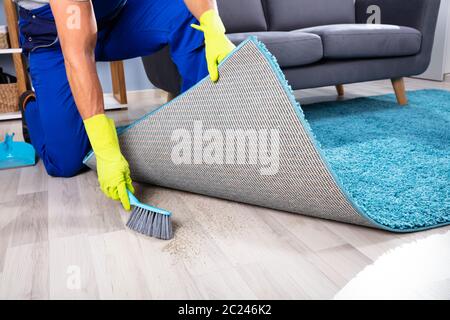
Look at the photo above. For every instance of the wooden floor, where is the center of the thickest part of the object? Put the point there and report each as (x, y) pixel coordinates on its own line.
(62, 239)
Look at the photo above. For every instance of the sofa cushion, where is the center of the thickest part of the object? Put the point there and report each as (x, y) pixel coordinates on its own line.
(288, 15)
(242, 15)
(290, 49)
(350, 41)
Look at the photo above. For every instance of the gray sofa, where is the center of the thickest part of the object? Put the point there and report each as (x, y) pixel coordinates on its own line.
(326, 42)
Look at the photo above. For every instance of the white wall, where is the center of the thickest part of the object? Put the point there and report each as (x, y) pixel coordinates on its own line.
(135, 75)
(447, 68)
(439, 59)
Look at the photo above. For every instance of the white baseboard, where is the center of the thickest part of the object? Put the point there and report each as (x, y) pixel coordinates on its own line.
(134, 97)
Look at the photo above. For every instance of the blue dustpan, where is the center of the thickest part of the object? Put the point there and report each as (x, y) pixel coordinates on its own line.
(16, 154)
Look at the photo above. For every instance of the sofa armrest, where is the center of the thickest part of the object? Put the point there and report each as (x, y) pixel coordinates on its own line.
(162, 72)
(418, 14)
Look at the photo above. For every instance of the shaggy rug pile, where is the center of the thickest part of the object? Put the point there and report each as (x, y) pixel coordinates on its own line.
(394, 161)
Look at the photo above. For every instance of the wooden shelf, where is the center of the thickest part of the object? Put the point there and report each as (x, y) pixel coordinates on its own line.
(10, 116)
(15, 51)
(10, 51)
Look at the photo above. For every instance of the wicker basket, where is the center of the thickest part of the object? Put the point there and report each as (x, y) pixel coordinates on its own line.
(9, 100)
(4, 44)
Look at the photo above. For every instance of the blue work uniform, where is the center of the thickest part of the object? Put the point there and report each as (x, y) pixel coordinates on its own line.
(127, 29)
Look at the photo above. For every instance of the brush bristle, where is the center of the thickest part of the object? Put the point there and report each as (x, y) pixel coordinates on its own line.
(151, 223)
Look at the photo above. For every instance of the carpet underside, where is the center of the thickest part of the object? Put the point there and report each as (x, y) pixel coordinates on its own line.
(253, 100)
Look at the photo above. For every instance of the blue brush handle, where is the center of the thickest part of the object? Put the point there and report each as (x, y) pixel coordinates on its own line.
(136, 203)
(9, 142)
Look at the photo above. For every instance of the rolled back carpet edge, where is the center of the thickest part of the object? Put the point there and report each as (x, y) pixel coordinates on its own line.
(251, 94)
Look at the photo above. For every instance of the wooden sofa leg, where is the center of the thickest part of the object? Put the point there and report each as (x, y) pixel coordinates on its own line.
(171, 96)
(340, 90)
(399, 87)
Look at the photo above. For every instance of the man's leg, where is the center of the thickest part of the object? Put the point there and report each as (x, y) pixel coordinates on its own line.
(146, 26)
(188, 50)
(140, 29)
(191, 64)
(56, 128)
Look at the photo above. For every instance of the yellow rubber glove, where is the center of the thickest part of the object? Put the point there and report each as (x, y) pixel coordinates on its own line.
(112, 168)
(217, 44)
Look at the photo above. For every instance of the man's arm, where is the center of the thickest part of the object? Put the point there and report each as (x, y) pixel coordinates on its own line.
(217, 44)
(77, 31)
(198, 8)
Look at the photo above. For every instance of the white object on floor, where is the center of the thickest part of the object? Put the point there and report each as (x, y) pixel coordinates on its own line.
(406, 272)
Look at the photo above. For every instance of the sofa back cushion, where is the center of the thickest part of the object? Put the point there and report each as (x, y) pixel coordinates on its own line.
(285, 15)
(242, 15)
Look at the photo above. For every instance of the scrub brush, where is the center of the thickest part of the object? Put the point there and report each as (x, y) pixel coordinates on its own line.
(150, 221)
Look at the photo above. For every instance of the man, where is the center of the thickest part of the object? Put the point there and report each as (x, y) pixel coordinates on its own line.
(64, 39)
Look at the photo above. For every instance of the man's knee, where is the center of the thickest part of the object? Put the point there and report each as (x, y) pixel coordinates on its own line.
(63, 169)
(64, 162)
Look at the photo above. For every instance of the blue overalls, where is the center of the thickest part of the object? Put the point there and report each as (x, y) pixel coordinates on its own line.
(127, 29)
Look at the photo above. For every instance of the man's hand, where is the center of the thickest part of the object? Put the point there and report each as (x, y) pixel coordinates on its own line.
(218, 46)
(112, 168)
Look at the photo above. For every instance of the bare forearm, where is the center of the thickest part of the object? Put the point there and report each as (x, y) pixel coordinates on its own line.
(77, 31)
(198, 7)
(85, 85)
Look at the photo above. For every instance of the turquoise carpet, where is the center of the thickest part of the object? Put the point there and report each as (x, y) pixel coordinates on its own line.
(394, 161)
(380, 165)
